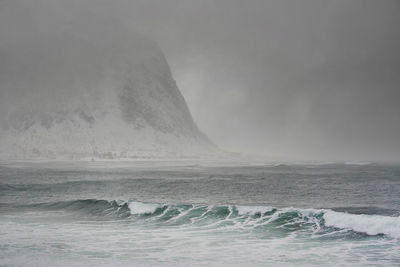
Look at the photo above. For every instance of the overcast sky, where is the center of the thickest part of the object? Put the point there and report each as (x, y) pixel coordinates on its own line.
(299, 79)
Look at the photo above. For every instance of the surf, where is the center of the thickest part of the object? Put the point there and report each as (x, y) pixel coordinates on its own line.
(259, 219)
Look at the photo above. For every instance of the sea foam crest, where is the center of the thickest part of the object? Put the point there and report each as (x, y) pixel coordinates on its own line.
(369, 224)
(142, 208)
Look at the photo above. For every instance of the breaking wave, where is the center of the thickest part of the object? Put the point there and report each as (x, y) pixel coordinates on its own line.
(369, 224)
(315, 222)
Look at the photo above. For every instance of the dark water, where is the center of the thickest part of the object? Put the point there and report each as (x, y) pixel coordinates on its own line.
(202, 214)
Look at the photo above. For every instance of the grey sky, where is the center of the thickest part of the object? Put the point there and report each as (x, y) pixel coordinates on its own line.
(299, 79)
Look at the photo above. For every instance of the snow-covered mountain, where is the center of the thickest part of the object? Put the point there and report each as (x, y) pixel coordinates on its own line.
(76, 89)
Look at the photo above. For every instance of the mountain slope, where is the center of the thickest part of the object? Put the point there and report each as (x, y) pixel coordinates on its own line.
(80, 89)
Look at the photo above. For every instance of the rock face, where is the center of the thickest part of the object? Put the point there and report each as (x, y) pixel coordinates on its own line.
(82, 90)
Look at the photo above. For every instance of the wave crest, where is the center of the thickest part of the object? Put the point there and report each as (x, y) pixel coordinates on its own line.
(369, 224)
(317, 222)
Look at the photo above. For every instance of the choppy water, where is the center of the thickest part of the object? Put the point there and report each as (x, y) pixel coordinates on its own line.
(180, 214)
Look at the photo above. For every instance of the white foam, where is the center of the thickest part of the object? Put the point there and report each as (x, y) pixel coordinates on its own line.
(370, 224)
(360, 163)
(142, 208)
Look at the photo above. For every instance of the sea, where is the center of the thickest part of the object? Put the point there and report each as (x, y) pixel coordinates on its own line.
(199, 213)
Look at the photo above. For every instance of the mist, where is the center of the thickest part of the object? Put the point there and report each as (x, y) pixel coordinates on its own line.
(301, 80)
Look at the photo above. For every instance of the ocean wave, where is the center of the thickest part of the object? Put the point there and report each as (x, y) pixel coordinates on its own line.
(369, 224)
(317, 222)
(91, 207)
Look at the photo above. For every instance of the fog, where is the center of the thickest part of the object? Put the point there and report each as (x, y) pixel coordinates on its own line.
(300, 79)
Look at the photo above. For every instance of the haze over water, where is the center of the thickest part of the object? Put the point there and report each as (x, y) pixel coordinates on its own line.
(202, 214)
